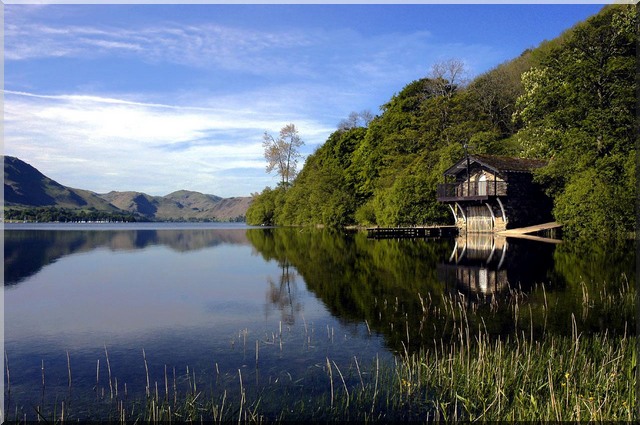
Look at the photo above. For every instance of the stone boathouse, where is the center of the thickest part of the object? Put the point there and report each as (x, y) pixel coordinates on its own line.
(488, 193)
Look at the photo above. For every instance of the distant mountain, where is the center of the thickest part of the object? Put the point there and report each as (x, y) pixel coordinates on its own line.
(25, 186)
(182, 204)
(203, 205)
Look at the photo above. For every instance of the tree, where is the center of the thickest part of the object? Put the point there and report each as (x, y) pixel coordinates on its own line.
(282, 153)
(356, 119)
(578, 108)
(571, 101)
(496, 92)
(446, 77)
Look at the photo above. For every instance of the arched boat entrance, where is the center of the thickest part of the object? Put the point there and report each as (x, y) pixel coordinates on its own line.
(489, 193)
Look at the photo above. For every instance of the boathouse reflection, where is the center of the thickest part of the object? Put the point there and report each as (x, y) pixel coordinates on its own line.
(489, 264)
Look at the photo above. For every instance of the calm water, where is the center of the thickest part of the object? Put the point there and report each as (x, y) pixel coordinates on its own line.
(203, 297)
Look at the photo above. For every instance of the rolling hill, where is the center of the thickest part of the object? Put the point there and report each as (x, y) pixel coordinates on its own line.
(183, 204)
(25, 186)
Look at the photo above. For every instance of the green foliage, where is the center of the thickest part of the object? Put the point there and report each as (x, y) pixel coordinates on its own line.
(412, 197)
(497, 90)
(323, 193)
(571, 100)
(56, 214)
(578, 109)
(265, 207)
(590, 205)
(366, 213)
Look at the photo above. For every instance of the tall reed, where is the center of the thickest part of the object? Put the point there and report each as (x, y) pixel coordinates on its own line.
(465, 373)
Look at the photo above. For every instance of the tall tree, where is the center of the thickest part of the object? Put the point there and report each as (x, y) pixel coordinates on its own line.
(496, 92)
(356, 119)
(282, 154)
(446, 77)
(578, 109)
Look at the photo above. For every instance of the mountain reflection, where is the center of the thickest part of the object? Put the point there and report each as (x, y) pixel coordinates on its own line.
(27, 251)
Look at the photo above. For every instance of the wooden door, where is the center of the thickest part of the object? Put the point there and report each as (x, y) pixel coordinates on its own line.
(479, 219)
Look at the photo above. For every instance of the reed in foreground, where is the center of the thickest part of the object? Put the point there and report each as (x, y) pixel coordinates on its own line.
(469, 373)
(560, 378)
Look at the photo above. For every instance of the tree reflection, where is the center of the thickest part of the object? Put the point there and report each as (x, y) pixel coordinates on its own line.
(284, 294)
(400, 287)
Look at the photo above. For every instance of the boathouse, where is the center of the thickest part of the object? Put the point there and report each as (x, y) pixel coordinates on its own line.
(488, 193)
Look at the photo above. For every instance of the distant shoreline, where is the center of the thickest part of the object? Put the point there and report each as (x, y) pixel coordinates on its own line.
(52, 226)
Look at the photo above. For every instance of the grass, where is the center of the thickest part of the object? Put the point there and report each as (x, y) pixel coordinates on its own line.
(560, 378)
(471, 374)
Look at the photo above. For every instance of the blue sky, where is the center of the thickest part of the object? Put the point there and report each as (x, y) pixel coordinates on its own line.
(158, 98)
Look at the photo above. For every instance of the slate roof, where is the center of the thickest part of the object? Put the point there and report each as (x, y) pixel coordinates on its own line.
(500, 164)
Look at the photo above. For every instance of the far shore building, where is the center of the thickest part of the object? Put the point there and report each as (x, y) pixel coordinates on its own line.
(489, 193)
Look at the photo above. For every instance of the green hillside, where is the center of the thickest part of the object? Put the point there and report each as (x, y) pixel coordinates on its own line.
(571, 100)
(26, 186)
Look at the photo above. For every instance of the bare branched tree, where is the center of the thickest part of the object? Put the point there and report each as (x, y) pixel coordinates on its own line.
(282, 154)
(356, 119)
(366, 117)
(446, 77)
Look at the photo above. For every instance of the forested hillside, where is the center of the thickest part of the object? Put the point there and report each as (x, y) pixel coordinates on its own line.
(571, 101)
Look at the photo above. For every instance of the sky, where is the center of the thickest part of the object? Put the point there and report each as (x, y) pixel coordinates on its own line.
(158, 98)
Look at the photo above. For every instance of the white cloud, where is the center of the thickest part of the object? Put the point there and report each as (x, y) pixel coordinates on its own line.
(104, 143)
(309, 53)
(201, 139)
(193, 45)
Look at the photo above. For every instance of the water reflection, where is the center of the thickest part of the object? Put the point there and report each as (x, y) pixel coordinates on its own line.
(394, 286)
(195, 300)
(487, 264)
(161, 290)
(284, 294)
(26, 252)
(476, 264)
(383, 283)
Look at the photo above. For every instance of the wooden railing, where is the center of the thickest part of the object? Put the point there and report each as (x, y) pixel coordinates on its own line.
(471, 190)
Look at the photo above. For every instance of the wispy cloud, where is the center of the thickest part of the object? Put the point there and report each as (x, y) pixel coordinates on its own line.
(106, 143)
(215, 88)
(193, 45)
(280, 52)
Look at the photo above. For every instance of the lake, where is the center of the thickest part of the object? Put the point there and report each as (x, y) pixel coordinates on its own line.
(95, 310)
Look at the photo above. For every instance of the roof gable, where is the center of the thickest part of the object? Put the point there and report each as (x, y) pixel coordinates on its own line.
(498, 164)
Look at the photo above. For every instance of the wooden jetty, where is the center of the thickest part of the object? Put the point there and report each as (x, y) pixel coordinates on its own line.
(534, 232)
(530, 229)
(411, 232)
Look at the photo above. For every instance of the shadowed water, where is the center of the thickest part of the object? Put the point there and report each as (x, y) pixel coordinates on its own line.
(204, 299)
